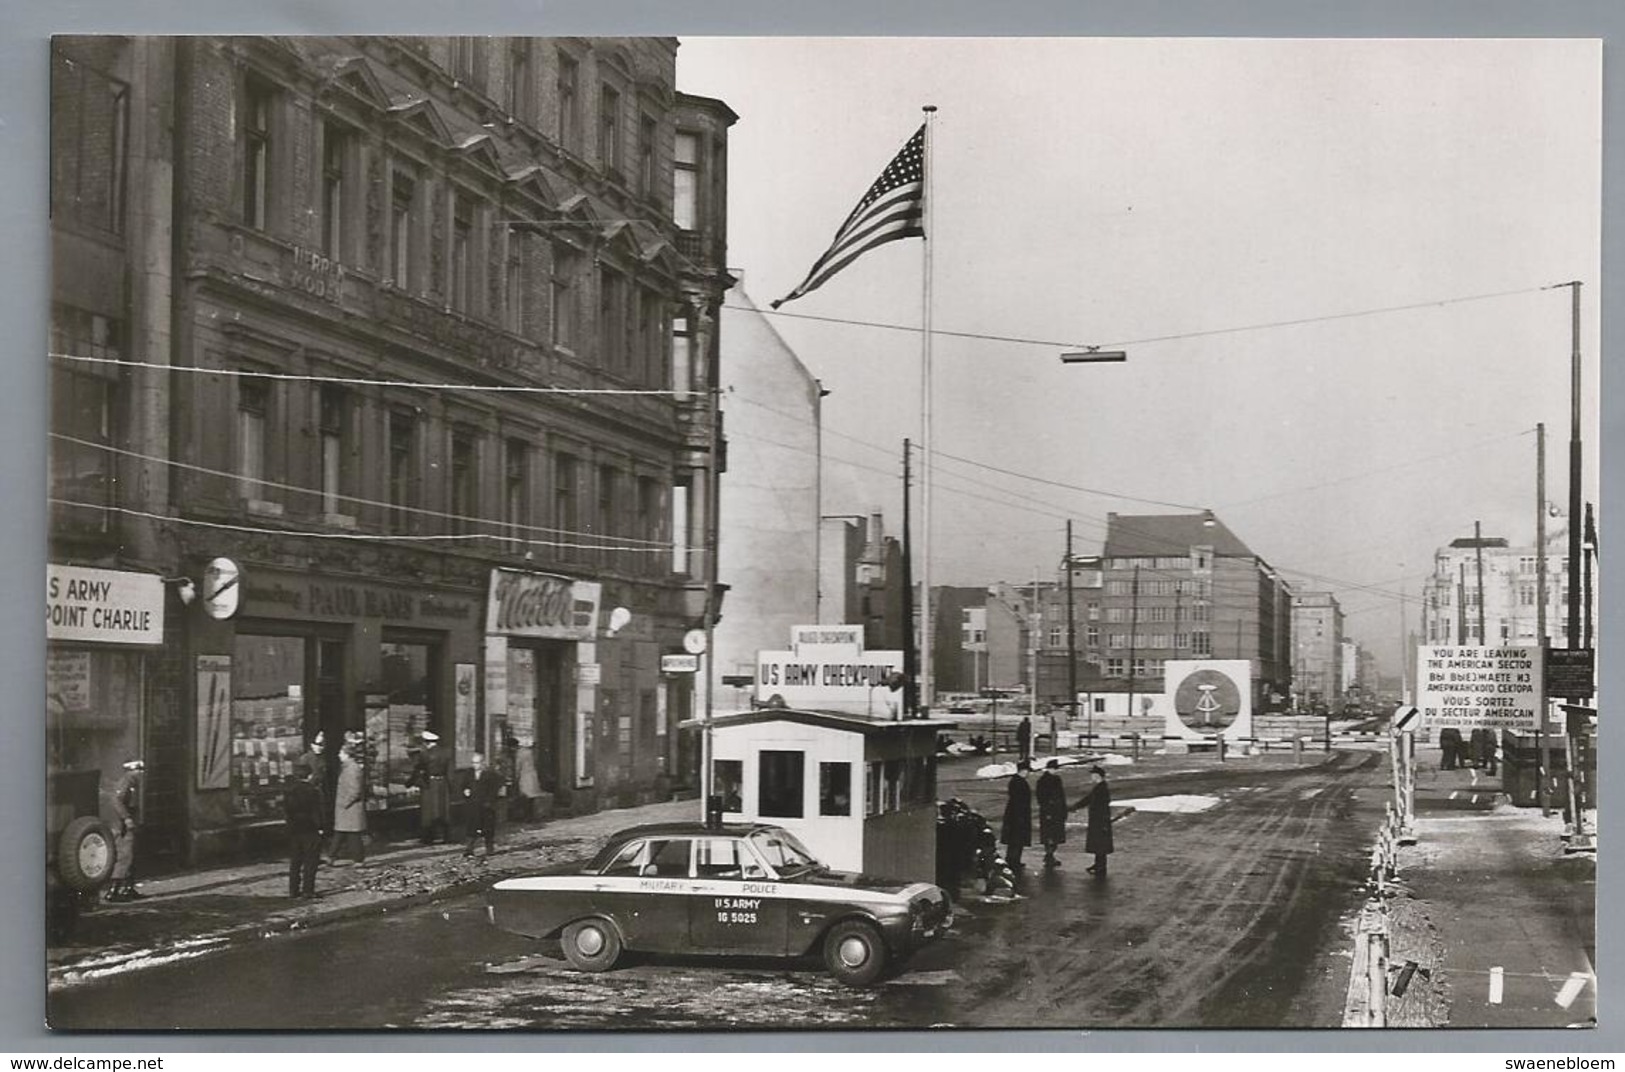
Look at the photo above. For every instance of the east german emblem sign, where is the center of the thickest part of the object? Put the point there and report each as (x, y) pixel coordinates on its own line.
(1209, 698)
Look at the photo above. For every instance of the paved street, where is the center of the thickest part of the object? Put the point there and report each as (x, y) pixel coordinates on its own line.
(1222, 917)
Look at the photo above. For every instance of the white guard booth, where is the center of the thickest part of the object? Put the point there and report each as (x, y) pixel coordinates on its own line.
(860, 792)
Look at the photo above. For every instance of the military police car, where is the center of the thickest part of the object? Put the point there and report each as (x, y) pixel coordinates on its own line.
(740, 889)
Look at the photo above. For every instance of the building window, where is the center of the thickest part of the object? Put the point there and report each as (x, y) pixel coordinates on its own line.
(1091, 636)
(648, 135)
(682, 362)
(834, 789)
(1159, 640)
(1139, 668)
(513, 292)
(89, 144)
(1202, 643)
(516, 488)
(1094, 612)
(82, 470)
(611, 320)
(1118, 588)
(1182, 641)
(520, 92)
(460, 290)
(606, 523)
(728, 783)
(335, 147)
(565, 489)
(465, 479)
(468, 61)
(569, 127)
(1116, 615)
(1116, 641)
(403, 448)
(609, 130)
(648, 520)
(1057, 636)
(1114, 667)
(566, 265)
(257, 97)
(402, 195)
(253, 409)
(333, 406)
(679, 527)
(780, 784)
(685, 208)
(1199, 613)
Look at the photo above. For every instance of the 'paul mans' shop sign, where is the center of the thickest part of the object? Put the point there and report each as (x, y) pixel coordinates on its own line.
(100, 606)
(1479, 688)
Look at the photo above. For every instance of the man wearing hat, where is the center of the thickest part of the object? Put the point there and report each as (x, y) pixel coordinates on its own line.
(1051, 796)
(124, 803)
(304, 807)
(432, 774)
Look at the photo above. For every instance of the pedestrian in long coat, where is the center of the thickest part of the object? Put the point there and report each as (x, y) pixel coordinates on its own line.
(1051, 796)
(433, 775)
(1098, 838)
(1024, 739)
(123, 800)
(350, 810)
(304, 809)
(1017, 829)
(481, 792)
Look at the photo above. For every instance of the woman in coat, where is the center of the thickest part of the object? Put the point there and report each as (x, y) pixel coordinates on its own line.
(349, 811)
(1017, 830)
(1098, 839)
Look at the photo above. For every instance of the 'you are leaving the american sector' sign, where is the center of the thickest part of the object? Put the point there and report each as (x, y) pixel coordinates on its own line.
(1479, 688)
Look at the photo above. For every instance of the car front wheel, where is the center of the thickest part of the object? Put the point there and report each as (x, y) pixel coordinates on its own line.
(591, 945)
(855, 953)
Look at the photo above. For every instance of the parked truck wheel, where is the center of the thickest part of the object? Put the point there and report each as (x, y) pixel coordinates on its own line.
(85, 854)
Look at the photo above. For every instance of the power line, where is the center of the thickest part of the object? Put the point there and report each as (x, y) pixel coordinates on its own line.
(1052, 343)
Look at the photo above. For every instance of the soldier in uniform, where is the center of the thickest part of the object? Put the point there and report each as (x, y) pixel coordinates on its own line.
(124, 803)
(432, 775)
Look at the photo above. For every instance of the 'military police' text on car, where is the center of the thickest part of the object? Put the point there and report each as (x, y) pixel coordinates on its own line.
(740, 889)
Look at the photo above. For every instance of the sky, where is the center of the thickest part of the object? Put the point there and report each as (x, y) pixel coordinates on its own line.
(1324, 259)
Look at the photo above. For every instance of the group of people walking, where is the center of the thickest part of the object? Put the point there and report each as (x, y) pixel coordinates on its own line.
(310, 819)
(1016, 831)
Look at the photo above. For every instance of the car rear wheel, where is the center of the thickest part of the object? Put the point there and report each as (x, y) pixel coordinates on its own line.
(85, 854)
(591, 945)
(855, 953)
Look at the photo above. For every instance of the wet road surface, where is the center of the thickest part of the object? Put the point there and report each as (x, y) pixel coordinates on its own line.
(1216, 918)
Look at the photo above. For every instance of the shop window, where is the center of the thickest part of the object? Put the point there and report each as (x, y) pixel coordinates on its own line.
(268, 682)
(781, 784)
(686, 182)
(93, 706)
(835, 789)
(410, 679)
(89, 144)
(728, 783)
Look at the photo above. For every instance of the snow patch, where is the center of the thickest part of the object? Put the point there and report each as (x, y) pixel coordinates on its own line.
(1178, 804)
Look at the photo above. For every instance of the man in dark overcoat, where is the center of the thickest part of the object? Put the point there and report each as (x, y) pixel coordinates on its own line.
(432, 774)
(1017, 829)
(483, 788)
(1024, 739)
(1051, 796)
(304, 809)
(1098, 838)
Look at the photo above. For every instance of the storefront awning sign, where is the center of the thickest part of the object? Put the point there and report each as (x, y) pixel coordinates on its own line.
(542, 605)
(100, 606)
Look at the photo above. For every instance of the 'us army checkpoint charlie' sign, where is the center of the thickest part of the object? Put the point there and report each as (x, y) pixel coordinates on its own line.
(1479, 688)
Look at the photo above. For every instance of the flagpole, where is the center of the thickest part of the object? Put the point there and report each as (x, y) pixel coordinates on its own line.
(927, 693)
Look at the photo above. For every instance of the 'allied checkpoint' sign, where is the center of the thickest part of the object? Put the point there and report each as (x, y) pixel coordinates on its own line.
(1479, 688)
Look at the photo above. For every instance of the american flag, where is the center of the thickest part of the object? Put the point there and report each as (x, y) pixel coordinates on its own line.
(893, 208)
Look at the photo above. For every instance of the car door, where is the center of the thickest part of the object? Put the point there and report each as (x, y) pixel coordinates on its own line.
(734, 907)
(645, 891)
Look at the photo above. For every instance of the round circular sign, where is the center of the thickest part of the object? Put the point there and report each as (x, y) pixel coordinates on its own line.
(1207, 701)
(694, 641)
(221, 590)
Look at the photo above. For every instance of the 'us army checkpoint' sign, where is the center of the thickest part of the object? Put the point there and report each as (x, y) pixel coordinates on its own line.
(1479, 688)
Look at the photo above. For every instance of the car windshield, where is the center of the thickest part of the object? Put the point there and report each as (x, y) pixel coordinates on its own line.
(782, 851)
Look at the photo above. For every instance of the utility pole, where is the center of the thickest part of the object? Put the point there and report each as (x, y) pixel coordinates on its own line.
(1578, 838)
(911, 672)
(1478, 549)
(1590, 550)
(1133, 634)
(1035, 629)
(1461, 604)
(1540, 609)
(1071, 633)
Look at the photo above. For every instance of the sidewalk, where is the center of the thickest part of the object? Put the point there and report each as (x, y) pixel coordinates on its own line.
(187, 915)
(1490, 905)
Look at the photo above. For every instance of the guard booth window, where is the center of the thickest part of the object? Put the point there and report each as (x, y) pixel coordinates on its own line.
(835, 789)
(727, 781)
(780, 784)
